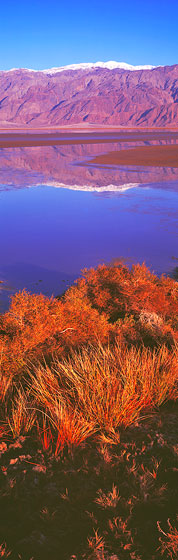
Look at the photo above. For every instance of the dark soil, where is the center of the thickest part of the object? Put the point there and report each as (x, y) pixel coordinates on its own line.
(97, 501)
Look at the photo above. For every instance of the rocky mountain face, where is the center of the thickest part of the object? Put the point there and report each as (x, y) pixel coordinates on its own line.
(93, 95)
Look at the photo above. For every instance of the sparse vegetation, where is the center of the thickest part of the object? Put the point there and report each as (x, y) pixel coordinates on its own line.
(89, 389)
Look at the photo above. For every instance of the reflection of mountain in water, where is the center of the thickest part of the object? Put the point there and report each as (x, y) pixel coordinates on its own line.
(66, 166)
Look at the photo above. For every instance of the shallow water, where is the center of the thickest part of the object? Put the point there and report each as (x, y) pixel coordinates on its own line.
(59, 215)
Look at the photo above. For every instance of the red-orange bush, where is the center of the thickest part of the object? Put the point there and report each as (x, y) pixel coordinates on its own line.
(37, 326)
(133, 306)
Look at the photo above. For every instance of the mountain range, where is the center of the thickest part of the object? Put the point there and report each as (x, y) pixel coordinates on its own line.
(102, 93)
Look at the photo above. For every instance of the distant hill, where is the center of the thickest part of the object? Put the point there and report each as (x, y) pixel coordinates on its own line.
(102, 93)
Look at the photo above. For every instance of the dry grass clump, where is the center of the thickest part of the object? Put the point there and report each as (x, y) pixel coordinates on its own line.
(96, 547)
(169, 541)
(92, 392)
(99, 389)
(4, 553)
(109, 500)
(22, 416)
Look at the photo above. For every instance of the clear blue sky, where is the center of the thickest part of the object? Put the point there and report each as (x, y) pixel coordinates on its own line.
(41, 34)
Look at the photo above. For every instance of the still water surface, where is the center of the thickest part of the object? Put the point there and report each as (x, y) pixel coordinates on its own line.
(59, 214)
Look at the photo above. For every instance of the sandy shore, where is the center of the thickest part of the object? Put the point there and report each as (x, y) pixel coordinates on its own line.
(155, 156)
(47, 138)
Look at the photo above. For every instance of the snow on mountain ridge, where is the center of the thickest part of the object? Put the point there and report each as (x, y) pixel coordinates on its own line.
(110, 65)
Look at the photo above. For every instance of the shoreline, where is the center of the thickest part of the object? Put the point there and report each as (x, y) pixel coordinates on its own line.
(151, 156)
(83, 126)
(66, 136)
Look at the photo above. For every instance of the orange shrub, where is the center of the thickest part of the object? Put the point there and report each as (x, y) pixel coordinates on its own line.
(120, 293)
(133, 306)
(37, 326)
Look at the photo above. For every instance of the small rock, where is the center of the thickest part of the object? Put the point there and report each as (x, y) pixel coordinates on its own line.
(25, 457)
(39, 468)
(15, 445)
(18, 443)
(13, 461)
(3, 447)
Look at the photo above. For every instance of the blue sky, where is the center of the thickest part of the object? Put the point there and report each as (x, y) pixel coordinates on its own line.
(41, 34)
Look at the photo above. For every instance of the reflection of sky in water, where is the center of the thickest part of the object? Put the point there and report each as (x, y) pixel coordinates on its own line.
(50, 234)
